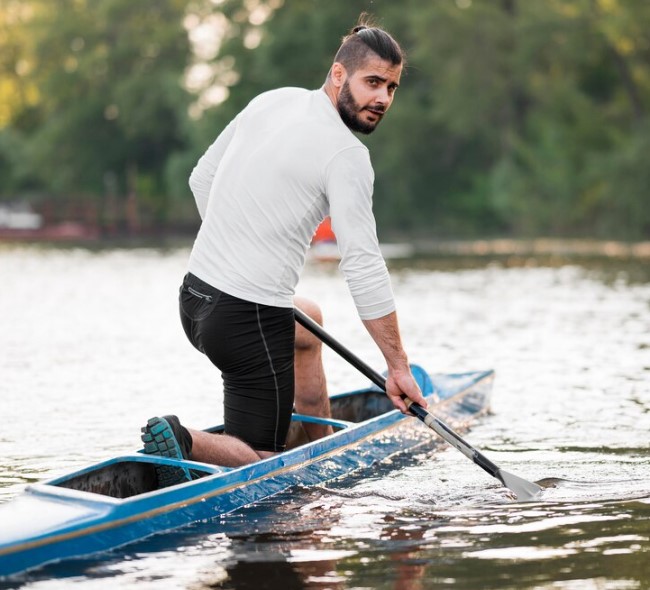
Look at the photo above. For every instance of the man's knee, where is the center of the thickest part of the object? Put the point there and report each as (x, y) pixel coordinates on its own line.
(305, 340)
(309, 307)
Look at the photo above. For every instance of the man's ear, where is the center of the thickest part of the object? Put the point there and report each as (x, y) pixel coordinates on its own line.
(338, 74)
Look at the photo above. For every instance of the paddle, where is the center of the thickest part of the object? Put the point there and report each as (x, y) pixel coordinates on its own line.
(523, 489)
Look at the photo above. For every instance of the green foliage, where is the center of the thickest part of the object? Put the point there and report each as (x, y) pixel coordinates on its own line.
(520, 117)
(111, 107)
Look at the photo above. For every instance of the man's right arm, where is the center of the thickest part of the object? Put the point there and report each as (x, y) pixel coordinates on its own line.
(206, 168)
(399, 381)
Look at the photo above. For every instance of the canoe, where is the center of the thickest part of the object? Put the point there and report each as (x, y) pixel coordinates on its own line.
(117, 501)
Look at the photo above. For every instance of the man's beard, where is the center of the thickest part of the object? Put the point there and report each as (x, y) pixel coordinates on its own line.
(349, 110)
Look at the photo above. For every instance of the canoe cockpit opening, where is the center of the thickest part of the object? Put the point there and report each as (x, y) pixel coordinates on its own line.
(360, 406)
(119, 478)
(347, 410)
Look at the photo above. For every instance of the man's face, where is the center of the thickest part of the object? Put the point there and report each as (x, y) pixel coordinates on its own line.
(366, 95)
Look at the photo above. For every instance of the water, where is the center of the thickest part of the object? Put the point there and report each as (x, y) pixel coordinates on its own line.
(91, 346)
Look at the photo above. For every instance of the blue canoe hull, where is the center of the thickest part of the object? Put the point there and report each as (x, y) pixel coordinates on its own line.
(113, 503)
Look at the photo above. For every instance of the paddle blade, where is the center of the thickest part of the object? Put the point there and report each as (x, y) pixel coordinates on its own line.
(524, 490)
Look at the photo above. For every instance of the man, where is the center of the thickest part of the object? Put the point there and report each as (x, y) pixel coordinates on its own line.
(284, 163)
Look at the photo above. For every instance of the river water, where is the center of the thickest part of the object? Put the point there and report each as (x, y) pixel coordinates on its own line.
(91, 346)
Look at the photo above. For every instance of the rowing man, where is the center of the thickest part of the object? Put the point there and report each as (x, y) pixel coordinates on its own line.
(287, 161)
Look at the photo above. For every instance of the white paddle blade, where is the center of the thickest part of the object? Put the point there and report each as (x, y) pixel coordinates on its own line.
(524, 490)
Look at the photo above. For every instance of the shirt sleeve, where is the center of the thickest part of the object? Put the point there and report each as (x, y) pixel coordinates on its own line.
(349, 185)
(206, 168)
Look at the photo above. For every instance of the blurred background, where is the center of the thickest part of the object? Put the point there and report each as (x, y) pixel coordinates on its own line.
(515, 119)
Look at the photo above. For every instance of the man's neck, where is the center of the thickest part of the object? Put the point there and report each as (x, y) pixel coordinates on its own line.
(331, 91)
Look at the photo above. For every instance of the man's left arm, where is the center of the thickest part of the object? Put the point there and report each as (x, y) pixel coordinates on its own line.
(349, 190)
(350, 181)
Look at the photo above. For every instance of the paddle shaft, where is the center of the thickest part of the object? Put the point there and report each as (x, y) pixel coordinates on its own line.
(436, 424)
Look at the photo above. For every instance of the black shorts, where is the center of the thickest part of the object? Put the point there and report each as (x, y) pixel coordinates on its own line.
(253, 347)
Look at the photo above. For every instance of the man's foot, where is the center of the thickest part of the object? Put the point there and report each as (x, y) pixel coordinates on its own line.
(164, 437)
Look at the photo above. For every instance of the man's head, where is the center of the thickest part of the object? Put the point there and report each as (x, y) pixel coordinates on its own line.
(363, 79)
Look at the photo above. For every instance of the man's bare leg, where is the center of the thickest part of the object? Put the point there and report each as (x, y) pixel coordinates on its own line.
(222, 449)
(311, 386)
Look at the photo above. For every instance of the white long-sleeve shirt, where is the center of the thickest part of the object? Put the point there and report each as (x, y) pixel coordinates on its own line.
(273, 174)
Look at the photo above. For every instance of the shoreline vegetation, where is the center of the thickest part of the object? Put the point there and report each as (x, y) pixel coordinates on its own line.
(417, 248)
(569, 247)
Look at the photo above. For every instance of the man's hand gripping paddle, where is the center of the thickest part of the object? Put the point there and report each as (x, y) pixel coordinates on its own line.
(524, 490)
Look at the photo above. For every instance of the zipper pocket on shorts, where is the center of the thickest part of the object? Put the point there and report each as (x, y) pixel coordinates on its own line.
(206, 298)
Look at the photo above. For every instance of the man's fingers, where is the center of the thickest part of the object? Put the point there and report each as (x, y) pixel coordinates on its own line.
(410, 393)
(398, 402)
(423, 402)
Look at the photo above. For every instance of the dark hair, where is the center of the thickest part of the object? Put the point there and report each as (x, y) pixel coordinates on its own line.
(363, 40)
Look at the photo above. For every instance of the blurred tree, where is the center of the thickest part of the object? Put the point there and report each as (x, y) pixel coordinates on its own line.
(520, 105)
(584, 102)
(17, 95)
(529, 118)
(111, 108)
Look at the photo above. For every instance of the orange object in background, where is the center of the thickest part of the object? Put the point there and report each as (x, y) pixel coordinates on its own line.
(324, 232)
